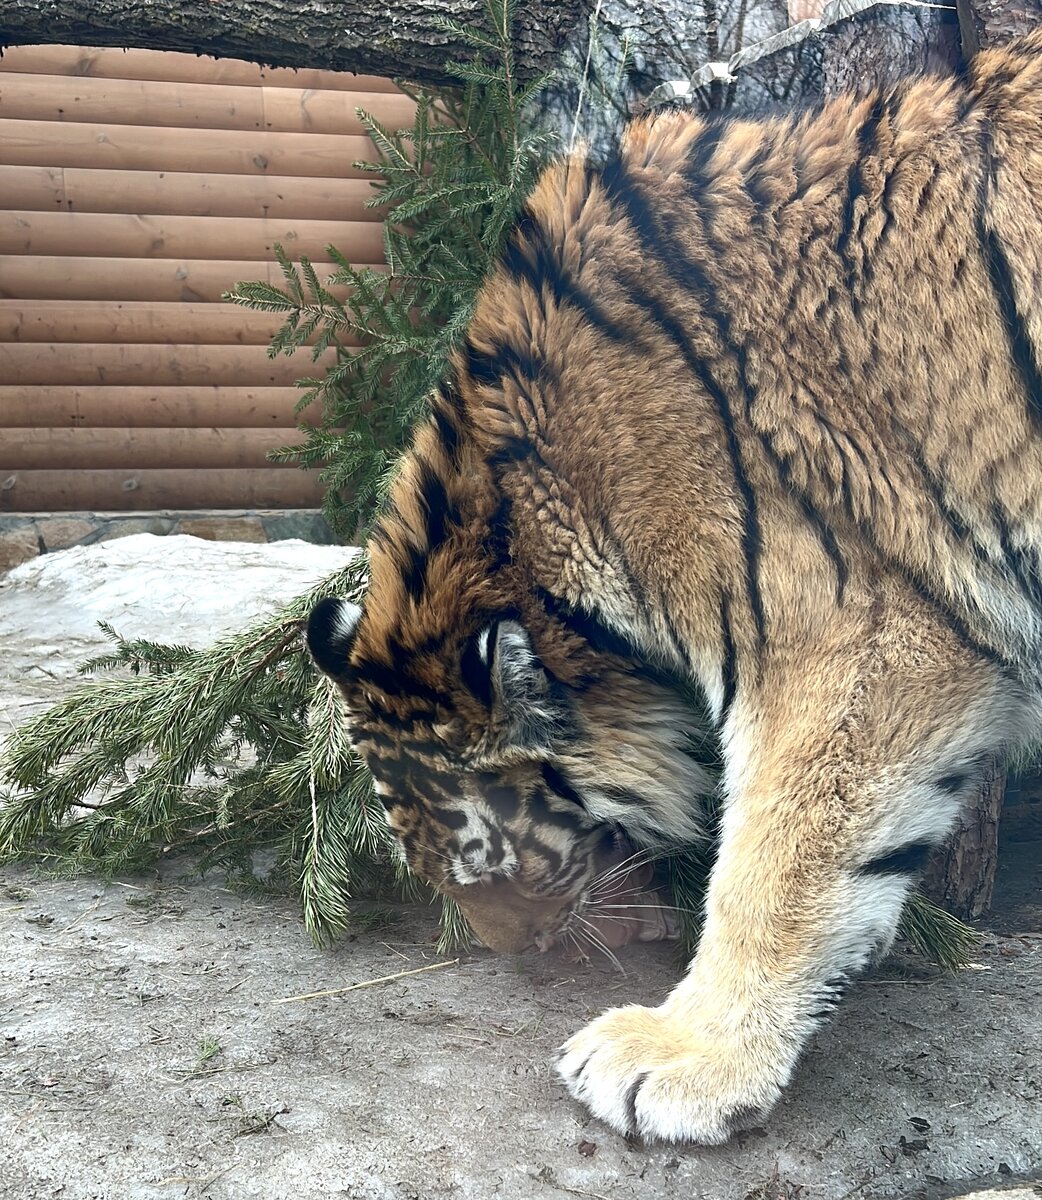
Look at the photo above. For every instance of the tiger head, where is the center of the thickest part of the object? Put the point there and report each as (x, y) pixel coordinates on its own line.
(518, 760)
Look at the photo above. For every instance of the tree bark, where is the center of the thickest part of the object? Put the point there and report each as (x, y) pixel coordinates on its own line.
(961, 875)
(882, 45)
(399, 38)
(997, 21)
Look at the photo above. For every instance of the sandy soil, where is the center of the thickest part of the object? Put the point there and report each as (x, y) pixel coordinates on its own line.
(146, 1051)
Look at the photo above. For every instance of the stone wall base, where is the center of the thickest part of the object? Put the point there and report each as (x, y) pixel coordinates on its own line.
(25, 535)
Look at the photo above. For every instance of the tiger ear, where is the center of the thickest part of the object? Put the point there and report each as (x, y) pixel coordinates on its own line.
(332, 627)
(500, 666)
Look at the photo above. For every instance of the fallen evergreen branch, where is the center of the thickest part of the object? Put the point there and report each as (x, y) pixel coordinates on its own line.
(936, 934)
(226, 752)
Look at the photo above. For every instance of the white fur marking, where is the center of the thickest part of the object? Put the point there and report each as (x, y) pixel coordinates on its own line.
(347, 617)
(482, 644)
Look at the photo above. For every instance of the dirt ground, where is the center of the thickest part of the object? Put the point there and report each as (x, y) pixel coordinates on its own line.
(148, 1048)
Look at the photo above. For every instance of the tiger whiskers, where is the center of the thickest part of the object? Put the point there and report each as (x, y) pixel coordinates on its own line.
(657, 907)
(589, 932)
(618, 871)
(637, 859)
(580, 950)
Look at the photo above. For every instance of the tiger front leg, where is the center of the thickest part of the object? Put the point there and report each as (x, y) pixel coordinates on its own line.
(838, 787)
(785, 926)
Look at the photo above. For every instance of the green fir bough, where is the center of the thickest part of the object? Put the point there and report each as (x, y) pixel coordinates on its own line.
(453, 184)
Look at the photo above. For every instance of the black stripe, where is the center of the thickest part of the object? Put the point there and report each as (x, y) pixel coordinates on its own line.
(441, 514)
(621, 795)
(752, 542)
(377, 743)
(410, 778)
(423, 778)
(622, 565)
(482, 366)
(530, 842)
(830, 995)
(1020, 566)
(431, 644)
(587, 626)
(475, 672)
(906, 860)
(558, 783)
(407, 723)
(1021, 350)
(631, 1102)
(489, 367)
(530, 256)
(500, 797)
(542, 814)
(696, 171)
(814, 519)
(866, 143)
(413, 566)
(886, 207)
(563, 883)
(926, 194)
(696, 167)
(495, 845)
(954, 622)
(448, 817)
(960, 531)
(959, 627)
(448, 434)
(690, 276)
(760, 183)
(679, 644)
(526, 223)
(395, 683)
(397, 795)
(449, 395)
(730, 665)
(500, 534)
(831, 547)
(513, 450)
(953, 783)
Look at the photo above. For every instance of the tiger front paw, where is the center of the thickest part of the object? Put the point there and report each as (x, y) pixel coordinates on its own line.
(644, 1071)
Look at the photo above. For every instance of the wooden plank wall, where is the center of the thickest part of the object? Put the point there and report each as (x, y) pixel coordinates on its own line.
(136, 187)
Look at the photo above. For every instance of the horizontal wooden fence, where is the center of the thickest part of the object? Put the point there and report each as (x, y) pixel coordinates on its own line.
(135, 188)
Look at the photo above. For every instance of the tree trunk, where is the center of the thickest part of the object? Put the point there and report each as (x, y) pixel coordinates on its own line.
(400, 38)
(883, 44)
(961, 875)
(996, 21)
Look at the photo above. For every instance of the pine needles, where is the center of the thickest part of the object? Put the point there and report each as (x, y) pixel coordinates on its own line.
(455, 182)
(938, 935)
(228, 752)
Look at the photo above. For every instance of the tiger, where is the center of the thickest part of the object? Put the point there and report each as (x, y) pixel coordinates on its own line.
(754, 407)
